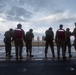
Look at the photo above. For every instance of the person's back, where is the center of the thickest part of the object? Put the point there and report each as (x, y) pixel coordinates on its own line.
(29, 36)
(60, 41)
(18, 37)
(74, 31)
(61, 34)
(49, 35)
(7, 40)
(8, 35)
(68, 41)
(28, 39)
(67, 34)
(18, 33)
(74, 34)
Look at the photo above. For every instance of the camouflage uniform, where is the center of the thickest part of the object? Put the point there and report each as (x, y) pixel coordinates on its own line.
(7, 40)
(18, 40)
(60, 41)
(68, 42)
(74, 33)
(28, 40)
(49, 41)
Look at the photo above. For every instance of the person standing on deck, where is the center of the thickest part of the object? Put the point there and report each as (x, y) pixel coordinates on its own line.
(68, 41)
(7, 40)
(60, 41)
(28, 40)
(74, 33)
(18, 37)
(49, 37)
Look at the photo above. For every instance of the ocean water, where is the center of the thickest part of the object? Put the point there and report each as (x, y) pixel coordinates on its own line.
(38, 51)
(1, 42)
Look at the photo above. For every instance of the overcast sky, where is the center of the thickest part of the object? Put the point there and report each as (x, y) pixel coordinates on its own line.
(37, 14)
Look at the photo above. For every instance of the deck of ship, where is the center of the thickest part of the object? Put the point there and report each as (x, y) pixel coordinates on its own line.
(38, 53)
(38, 64)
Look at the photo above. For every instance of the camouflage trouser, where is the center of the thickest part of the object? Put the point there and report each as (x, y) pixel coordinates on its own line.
(7, 42)
(18, 47)
(68, 44)
(8, 48)
(61, 44)
(29, 47)
(75, 44)
(49, 43)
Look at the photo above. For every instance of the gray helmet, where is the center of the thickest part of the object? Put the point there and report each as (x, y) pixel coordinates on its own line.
(10, 29)
(19, 25)
(67, 29)
(50, 28)
(61, 25)
(31, 30)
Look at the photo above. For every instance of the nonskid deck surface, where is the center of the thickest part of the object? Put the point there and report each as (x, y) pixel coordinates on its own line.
(46, 67)
(38, 64)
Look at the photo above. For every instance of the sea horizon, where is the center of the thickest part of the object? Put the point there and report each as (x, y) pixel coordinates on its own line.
(34, 42)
